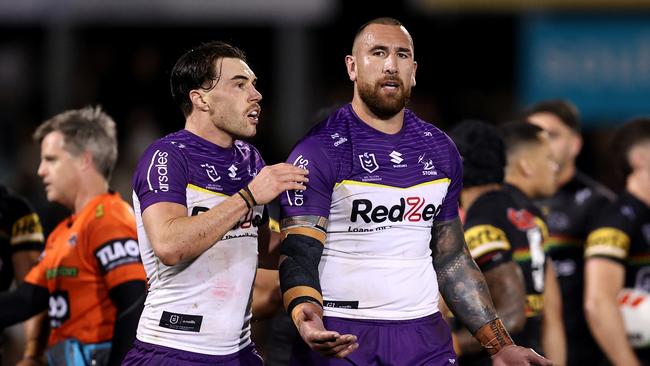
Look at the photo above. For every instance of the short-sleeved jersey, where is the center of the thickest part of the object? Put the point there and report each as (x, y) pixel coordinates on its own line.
(504, 225)
(200, 305)
(20, 229)
(622, 233)
(569, 214)
(381, 194)
(85, 256)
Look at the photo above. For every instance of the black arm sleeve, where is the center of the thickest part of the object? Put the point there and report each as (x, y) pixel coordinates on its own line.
(300, 267)
(129, 300)
(22, 303)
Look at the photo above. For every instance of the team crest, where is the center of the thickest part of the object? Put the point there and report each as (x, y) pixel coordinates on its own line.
(522, 219)
(211, 171)
(368, 162)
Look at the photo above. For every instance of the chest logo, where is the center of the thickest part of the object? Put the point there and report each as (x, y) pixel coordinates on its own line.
(522, 219)
(233, 172)
(368, 162)
(396, 157)
(211, 171)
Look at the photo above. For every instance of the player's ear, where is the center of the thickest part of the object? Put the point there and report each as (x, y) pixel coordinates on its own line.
(351, 65)
(576, 145)
(524, 166)
(85, 160)
(198, 100)
(415, 67)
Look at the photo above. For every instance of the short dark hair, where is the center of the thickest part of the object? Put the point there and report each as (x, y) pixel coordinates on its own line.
(518, 133)
(88, 128)
(482, 151)
(196, 70)
(382, 20)
(563, 109)
(629, 135)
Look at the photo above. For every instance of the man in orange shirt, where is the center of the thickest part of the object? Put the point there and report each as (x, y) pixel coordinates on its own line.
(90, 275)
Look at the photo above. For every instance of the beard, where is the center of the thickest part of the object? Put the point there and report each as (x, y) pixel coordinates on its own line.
(381, 105)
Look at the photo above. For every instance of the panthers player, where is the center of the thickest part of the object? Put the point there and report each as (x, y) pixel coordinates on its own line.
(618, 247)
(505, 232)
(569, 213)
(199, 197)
(381, 206)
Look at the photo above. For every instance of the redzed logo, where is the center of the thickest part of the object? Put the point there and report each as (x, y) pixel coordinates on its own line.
(412, 209)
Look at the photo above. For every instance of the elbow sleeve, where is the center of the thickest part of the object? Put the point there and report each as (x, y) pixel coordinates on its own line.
(299, 280)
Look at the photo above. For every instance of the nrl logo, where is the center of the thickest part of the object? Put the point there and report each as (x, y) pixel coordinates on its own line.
(368, 162)
(211, 171)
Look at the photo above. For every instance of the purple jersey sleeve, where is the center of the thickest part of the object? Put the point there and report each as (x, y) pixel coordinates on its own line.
(316, 199)
(449, 210)
(161, 176)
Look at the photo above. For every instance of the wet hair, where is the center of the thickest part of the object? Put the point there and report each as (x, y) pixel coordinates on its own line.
(518, 133)
(629, 135)
(85, 129)
(196, 69)
(482, 151)
(561, 108)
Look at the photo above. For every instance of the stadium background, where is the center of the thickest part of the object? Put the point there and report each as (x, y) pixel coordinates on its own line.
(477, 59)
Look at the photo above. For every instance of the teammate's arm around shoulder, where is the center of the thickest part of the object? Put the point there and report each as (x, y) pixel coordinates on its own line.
(176, 237)
(301, 251)
(465, 291)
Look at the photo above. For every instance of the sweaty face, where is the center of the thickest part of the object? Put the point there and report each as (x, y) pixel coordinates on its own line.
(233, 100)
(385, 68)
(59, 170)
(544, 167)
(563, 140)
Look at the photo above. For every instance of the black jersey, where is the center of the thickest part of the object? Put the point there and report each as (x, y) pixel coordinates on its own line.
(505, 225)
(622, 234)
(569, 215)
(20, 229)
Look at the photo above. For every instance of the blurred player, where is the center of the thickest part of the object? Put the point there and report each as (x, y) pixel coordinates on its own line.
(90, 274)
(618, 247)
(569, 213)
(21, 242)
(199, 197)
(357, 274)
(505, 233)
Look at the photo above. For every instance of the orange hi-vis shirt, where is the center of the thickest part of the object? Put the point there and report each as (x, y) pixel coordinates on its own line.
(85, 256)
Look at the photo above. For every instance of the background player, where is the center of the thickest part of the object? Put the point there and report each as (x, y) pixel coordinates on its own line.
(21, 243)
(199, 197)
(505, 232)
(357, 277)
(618, 247)
(90, 273)
(569, 213)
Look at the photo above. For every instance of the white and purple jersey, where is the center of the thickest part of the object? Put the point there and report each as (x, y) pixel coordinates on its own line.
(381, 194)
(200, 305)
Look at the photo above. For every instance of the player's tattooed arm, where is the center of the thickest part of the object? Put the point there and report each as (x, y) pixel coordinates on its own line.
(460, 281)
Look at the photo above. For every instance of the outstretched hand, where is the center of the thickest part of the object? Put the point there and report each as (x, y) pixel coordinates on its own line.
(275, 179)
(518, 356)
(313, 332)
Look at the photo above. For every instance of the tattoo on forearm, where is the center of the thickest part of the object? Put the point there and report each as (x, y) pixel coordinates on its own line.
(460, 281)
(317, 222)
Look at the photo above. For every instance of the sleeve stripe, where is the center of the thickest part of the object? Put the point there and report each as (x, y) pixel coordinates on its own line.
(300, 291)
(489, 247)
(306, 231)
(35, 237)
(606, 250)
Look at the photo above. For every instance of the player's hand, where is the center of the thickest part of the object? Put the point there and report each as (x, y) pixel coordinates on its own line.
(275, 179)
(313, 332)
(518, 356)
